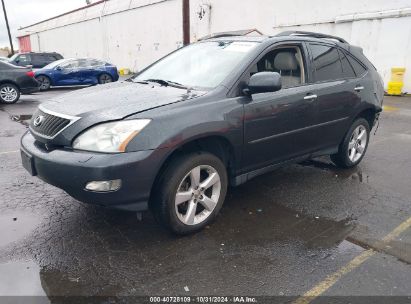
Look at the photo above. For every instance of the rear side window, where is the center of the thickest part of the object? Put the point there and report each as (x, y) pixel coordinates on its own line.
(23, 59)
(327, 62)
(37, 58)
(348, 71)
(358, 68)
(51, 58)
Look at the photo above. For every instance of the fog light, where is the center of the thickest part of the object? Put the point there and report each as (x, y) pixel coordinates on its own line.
(104, 186)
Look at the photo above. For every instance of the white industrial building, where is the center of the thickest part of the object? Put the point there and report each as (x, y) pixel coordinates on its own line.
(134, 33)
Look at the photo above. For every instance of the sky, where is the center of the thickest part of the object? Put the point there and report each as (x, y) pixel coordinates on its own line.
(25, 12)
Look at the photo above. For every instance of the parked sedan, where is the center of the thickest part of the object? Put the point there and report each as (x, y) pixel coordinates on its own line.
(73, 72)
(14, 81)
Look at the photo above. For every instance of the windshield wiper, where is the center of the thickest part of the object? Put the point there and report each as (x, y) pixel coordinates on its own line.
(166, 83)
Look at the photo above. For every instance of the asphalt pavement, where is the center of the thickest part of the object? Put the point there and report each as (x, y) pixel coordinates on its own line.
(306, 229)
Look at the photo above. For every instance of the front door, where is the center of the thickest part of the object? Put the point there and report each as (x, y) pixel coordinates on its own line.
(68, 74)
(279, 126)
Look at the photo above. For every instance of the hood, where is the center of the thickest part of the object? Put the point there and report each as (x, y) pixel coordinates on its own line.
(117, 100)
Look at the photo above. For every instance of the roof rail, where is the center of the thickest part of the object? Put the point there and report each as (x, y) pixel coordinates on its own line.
(231, 34)
(310, 34)
(216, 36)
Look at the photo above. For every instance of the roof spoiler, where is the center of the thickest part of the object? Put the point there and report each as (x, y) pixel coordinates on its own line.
(310, 34)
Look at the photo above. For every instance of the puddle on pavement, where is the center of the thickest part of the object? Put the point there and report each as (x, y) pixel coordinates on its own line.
(21, 278)
(353, 173)
(23, 119)
(262, 221)
(14, 226)
(101, 252)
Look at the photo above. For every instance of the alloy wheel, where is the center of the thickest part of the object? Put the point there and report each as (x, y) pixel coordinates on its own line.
(357, 144)
(198, 195)
(44, 82)
(8, 94)
(105, 78)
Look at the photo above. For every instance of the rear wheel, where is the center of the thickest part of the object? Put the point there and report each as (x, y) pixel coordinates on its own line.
(44, 82)
(354, 145)
(9, 93)
(190, 193)
(104, 78)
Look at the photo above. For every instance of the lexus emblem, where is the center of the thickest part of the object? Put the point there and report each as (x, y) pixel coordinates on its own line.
(38, 120)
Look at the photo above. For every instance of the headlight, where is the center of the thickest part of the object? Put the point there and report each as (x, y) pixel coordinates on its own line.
(111, 137)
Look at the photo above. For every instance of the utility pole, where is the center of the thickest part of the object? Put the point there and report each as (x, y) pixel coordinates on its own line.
(8, 28)
(186, 22)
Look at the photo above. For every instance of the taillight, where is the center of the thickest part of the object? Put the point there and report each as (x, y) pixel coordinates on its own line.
(30, 74)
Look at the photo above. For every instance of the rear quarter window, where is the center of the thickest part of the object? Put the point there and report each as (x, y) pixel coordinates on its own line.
(358, 67)
(348, 71)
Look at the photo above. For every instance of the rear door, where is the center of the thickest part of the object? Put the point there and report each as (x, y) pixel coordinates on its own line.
(38, 61)
(89, 71)
(278, 126)
(337, 95)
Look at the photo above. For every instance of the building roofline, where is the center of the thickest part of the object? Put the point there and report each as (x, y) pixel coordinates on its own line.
(64, 14)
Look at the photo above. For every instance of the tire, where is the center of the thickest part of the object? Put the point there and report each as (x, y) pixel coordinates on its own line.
(204, 203)
(105, 78)
(354, 145)
(9, 93)
(44, 81)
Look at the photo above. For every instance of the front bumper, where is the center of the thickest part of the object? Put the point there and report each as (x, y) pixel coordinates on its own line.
(72, 170)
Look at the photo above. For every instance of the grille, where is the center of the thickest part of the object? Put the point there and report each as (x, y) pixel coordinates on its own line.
(50, 124)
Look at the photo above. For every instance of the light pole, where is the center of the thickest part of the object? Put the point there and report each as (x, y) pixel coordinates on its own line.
(8, 28)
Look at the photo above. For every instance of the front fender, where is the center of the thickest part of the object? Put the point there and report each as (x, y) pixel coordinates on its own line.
(176, 125)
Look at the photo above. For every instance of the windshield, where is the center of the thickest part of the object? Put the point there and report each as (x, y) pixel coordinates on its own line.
(14, 57)
(202, 65)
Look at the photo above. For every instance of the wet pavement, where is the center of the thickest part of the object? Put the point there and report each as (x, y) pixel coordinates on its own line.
(278, 235)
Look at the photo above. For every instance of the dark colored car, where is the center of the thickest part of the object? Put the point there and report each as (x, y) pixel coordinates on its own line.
(35, 60)
(73, 72)
(14, 81)
(215, 113)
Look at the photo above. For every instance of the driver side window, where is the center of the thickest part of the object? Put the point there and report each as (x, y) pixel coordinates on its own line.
(69, 65)
(287, 61)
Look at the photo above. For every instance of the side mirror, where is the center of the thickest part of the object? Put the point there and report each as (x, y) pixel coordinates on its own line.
(58, 68)
(264, 82)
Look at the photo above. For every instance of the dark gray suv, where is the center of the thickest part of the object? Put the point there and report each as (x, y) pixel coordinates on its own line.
(215, 113)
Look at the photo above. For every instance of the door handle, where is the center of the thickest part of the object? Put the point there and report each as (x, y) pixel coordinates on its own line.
(310, 97)
(358, 88)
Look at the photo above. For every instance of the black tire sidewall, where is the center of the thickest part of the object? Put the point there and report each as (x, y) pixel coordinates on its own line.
(13, 86)
(164, 207)
(343, 153)
(104, 74)
(42, 76)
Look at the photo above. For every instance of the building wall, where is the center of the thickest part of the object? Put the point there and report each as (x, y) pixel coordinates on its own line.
(134, 33)
(129, 36)
(385, 39)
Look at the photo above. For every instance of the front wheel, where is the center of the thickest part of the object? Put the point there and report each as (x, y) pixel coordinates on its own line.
(44, 82)
(354, 145)
(190, 193)
(9, 93)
